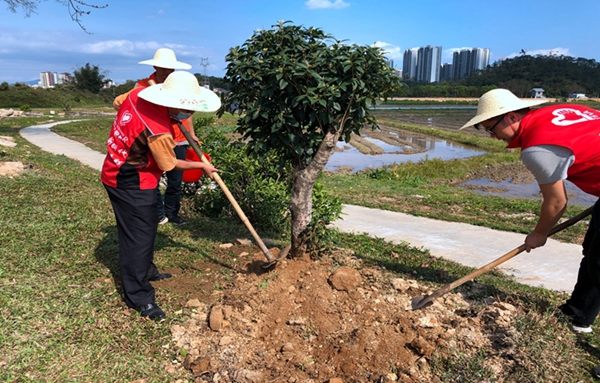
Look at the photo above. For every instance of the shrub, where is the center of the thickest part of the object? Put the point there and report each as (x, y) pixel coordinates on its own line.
(25, 108)
(262, 188)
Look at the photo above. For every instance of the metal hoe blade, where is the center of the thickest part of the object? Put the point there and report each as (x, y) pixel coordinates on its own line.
(425, 301)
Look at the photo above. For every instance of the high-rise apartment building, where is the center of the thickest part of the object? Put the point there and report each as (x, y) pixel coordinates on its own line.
(446, 72)
(46, 79)
(466, 61)
(409, 64)
(429, 60)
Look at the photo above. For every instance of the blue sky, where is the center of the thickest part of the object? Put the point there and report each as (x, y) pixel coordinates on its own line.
(129, 31)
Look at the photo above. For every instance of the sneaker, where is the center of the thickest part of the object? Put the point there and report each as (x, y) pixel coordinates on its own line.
(163, 220)
(581, 328)
(176, 220)
(152, 311)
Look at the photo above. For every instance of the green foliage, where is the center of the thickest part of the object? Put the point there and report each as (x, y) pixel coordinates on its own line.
(202, 121)
(66, 103)
(21, 94)
(558, 75)
(25, 108)
(260, 187)
(88, 78)
(292, 85)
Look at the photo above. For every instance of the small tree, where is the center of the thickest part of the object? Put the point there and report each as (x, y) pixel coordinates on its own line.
(88, 78)
(299, 91)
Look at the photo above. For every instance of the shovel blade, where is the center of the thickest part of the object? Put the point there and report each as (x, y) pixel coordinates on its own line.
(282, 255)
(421, 302)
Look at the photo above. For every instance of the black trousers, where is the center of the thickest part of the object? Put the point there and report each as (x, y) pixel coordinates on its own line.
(172, 200)
(137, 223)
(585, 298)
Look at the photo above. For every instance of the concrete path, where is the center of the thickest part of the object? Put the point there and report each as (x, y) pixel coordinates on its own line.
(553, 266)
(40, 135)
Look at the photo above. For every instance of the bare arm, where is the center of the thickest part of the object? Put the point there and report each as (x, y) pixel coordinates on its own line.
(208, 169)
(553, 207)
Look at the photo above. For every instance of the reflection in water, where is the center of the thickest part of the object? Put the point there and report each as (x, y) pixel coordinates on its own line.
(392, 154)
(526, 190)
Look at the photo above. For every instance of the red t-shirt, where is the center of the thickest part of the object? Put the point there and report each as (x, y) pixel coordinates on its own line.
(572, 126)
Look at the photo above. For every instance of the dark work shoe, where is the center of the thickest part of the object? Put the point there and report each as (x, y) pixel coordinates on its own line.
(176, 220)
(159, 277)
(152, 311)
(596, 372)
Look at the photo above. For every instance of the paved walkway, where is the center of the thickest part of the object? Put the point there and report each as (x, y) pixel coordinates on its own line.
(553, 266)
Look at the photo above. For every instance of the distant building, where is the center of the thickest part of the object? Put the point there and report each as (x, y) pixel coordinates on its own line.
(409, 64)
(389, 63)
(429, 61)
(47, 79)
(467, 61)
(446, 72)
(65, 78)
(537, 93)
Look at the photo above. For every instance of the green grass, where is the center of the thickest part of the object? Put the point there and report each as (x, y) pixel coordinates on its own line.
(62, 318)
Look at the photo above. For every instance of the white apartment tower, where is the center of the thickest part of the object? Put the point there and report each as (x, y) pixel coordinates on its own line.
(466, 61)
(429, 62)
(46, 79)
(409, 64)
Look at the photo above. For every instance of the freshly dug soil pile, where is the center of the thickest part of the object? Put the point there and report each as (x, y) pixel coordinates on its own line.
(317, 321)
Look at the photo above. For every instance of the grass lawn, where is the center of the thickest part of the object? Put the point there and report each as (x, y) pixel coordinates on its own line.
(62, 318)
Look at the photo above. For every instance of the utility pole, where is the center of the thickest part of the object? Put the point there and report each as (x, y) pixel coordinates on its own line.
(204, 64)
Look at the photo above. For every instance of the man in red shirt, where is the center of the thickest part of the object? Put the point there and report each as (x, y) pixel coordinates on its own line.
(164, 63)
(558, 143)
(139, 149)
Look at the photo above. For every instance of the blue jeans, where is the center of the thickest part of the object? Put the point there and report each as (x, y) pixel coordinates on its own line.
(169, 207)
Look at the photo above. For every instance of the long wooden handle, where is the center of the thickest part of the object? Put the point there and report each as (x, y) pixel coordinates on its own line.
(236, 206)
(518, 250)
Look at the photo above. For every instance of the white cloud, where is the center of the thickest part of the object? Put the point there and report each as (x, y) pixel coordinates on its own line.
(323, 4)
(390, 51)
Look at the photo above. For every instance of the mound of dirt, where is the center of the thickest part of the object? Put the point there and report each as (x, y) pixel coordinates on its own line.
(333, 320)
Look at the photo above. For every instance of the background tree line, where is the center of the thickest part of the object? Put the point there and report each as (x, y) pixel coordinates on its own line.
(87, 88)
(557, 75)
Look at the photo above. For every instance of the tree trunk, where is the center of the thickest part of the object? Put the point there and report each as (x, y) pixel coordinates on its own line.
(303, 181)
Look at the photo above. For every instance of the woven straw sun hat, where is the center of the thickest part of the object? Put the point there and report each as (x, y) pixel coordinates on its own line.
(165, 58)
(497, 102)
(181, 90)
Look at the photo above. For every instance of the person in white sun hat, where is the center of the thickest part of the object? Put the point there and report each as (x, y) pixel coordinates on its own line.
(139, 149)
(164, 63)
(558, 143)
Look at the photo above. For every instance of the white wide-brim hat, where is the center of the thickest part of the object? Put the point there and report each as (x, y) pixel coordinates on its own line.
(497, 102)
(165, 58)
(181, 90)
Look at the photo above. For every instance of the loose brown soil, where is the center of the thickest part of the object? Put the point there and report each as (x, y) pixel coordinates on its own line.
(331, 320)
(313, 321)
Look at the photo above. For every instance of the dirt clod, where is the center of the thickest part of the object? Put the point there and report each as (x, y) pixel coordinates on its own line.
(293, 323)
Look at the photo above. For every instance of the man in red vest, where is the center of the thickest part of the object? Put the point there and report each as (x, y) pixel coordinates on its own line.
(164, 63)
(558, 143)
(140, 148)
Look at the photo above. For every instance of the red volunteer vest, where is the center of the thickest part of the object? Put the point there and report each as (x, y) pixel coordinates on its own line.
(129, 163)
(575, 127)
